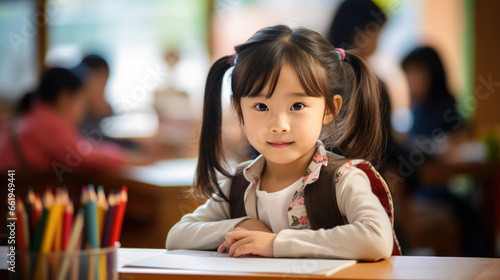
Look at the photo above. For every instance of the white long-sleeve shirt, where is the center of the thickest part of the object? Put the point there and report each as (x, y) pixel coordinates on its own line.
(367, 235)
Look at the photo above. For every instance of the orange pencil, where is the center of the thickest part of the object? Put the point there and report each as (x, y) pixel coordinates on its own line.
(118, 219)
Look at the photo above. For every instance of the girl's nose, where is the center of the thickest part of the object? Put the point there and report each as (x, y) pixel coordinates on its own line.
(279, 124)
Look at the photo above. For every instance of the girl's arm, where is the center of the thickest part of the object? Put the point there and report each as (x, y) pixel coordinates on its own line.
(206, 227)
(368, 236)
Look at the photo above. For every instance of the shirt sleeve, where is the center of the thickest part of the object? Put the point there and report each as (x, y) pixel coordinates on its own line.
(206, 227)
(367, 236)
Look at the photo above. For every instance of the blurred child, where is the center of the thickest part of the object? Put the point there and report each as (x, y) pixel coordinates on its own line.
(433, 107)
(45, 136)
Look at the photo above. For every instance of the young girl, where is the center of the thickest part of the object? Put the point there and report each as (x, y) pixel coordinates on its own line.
(295, 200)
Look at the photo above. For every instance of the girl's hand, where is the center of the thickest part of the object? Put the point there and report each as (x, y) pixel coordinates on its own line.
(249, 225)
(244, 242)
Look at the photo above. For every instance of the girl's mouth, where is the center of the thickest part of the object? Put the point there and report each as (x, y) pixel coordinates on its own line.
(280, 144)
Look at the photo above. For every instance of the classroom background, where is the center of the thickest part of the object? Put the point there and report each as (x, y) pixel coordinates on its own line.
(442, 168)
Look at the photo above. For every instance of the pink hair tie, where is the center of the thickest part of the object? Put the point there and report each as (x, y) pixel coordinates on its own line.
(341, 52)
(231, 59)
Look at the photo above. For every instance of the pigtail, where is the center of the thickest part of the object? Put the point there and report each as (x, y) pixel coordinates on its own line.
(210, 158)
(360, 133)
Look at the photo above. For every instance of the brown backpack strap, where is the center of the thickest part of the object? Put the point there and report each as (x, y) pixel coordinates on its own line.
(237, 192)
(320, 198)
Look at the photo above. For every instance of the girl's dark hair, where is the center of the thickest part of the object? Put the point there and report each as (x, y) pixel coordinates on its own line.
(351, 17)
(429, 58)
(356, 131)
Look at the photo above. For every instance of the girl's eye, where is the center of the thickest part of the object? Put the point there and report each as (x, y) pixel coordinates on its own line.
(261, 107)
(297, 107)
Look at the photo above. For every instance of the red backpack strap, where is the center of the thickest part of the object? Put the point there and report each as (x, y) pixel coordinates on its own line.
(381, 191)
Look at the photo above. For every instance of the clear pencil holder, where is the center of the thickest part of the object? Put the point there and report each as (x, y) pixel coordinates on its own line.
(96, 264)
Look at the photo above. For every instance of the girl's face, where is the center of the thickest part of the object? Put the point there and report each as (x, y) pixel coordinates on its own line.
(284, 127)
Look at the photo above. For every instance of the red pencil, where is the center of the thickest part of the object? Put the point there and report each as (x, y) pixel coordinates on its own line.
(67, 224)
(22, 226)
(36, 211)
(118, 219)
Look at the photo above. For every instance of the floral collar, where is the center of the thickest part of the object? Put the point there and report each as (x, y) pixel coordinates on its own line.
(253, 174)
(253, 171)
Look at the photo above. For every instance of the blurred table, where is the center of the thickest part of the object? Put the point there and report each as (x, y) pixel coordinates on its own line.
(158, 198)
(397, 267)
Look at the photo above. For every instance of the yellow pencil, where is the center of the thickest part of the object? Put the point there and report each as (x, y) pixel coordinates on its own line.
(102, 208)
(54, 217)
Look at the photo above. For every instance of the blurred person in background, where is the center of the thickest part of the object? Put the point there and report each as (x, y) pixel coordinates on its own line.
(434, 113)
(356, 26)
(432, 105)
(44, 135)
(97, 69)
(97, 73)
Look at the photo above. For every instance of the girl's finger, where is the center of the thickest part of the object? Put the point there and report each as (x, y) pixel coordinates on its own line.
(242, 250)
(229, 240)
(236, 245)
(221, 248)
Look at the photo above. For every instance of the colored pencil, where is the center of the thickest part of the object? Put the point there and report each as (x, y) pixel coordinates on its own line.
(91, 226)
(23, 237)
(48, 201)
(29, 205)
(54, 218)
(102, 208)
(118, 217)
(90, 202)
(23, 240)
(62, 197)
(67, 223)
(109, 220)
(36, 212)
(76, 234)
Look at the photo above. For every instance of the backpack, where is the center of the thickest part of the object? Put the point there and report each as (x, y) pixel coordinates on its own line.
(320, 196)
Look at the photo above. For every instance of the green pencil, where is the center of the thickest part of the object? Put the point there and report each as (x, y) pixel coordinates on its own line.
(48, 201)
